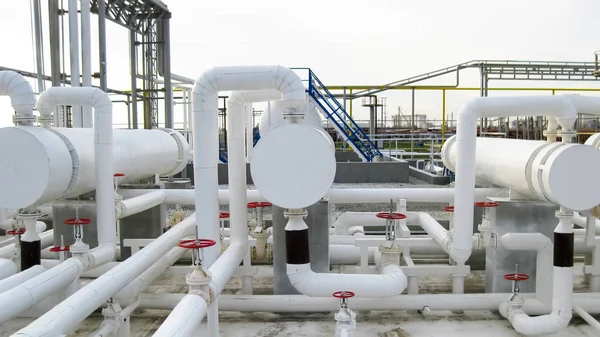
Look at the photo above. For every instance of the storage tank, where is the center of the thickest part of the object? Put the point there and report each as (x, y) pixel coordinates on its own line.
(41, 165)
(564, 174)
(293, 165)
(272, 117)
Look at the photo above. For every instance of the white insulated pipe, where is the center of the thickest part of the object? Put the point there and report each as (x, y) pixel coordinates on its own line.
(140, 203)
(7, 269)
(564, 108)
(205, 122)
(17, 279)
(339, 195)
(185, 317)
(68, 314)
(103, 148)
(74, 59)
(22, 97)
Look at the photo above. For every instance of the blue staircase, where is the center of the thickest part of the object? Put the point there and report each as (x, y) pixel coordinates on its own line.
(222, 153)
(256, 136)
(342, 122)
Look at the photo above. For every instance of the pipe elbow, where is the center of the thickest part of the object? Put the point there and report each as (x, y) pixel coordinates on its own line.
(394, 280)
(205, 84)
(460, 255)
(22, 96)
(539, 325)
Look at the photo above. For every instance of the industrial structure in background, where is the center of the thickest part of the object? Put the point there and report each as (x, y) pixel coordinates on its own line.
(332, 214)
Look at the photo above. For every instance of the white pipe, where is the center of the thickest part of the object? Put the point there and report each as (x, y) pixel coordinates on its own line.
(7, 269)
(339, 195)
(562, 294)
(587, 317)
(302, 303)
(22, 97)
(86, 59)
(205, 121)
(563, 107)
(543, 246)
(47, 239)
(16, 279)
(347, 220)
(103, 139)
(140, 203)
(184, 319)
(68, 314)
(391, 282)
(74, 59)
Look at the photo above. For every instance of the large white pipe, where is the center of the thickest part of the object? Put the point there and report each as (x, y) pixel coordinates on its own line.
(340, 195)
(565, 108)
(354, 220)
(68, 314)
(74, 59)
(391, 282)
(185, 317)
(103, 147)
(205, 121)
(140, 203)
(22, 277)
(60, 162)
(535, 169)
(22, 97)
(86, 59)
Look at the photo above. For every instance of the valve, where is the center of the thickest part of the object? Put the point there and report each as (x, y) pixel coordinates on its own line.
(515, 278)
(345, 318)
(486, 227)
(222, 217)
(391, 223)
(199, 279)
(79, 246)
(116, 182)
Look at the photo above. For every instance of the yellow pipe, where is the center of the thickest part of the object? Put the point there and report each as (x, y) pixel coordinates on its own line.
(432, 87)
(443, 114)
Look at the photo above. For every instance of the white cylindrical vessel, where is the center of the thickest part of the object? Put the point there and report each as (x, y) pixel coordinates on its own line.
(560, 173)
(41, 165)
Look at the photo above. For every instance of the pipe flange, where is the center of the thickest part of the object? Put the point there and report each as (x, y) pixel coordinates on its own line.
(263, 234)
(40, 119)
(198, 277)
(25, 119)
(295, 212)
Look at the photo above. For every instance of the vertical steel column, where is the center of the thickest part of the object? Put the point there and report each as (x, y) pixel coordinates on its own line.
(166, 45)
(55, 71)
(102, 42)
(443, 115)
(38, 45)
(133, 71)
(412, 122)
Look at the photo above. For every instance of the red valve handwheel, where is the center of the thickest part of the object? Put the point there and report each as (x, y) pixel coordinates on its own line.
(516, 277)
(57, 249)
(253, 204)
(391, 216)
(265, 204)
(19, 231)
(80, 221)
(197, 244)
(449, 208)
(118, 175)
(487, 204)
(343, 294)
(223, 215)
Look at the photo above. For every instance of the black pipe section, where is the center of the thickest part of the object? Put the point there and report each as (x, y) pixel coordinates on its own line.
(564, 246)
(296, 247)
(31, 254)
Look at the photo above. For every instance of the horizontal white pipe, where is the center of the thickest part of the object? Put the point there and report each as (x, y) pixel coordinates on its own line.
(587, 317)
(343, 254)
(302, 303)
(22, 97)
(67, 315)
(348, 220)
(47, 239)
(7, 269)
(582, 221)
(340, 195)
(391, 282)
(140, 203)
(184, 319)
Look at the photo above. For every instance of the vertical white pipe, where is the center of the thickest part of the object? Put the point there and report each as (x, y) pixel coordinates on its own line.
(86, 59)
(74, 57)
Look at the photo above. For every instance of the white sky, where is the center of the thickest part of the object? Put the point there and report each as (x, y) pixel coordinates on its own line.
(346, 42)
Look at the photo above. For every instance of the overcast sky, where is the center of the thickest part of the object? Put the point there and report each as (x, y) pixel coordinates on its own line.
(346, 41)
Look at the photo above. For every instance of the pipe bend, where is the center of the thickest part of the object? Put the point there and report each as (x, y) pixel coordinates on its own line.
(540, 325)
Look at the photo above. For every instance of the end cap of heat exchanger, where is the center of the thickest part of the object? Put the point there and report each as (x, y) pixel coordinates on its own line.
(293, 166)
